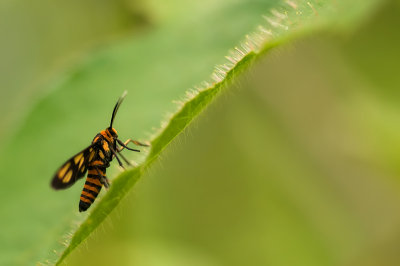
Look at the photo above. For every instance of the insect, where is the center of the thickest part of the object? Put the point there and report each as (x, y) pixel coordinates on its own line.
(95, 159)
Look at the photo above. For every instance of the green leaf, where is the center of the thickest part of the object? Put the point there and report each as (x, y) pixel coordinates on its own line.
(52, 46)
(156, 68)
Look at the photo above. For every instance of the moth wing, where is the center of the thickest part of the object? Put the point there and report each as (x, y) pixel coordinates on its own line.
(73, 169)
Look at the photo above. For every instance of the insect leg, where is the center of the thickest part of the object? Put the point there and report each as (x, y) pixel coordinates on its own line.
(133, 141)
(136, 143)
(116, 156)
(123, 145)
(103, 179)
(124, 158)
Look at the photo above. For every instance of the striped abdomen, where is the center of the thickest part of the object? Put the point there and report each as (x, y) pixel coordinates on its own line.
(92, 185)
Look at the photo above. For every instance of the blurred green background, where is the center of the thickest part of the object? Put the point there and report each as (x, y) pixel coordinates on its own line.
(296, 164)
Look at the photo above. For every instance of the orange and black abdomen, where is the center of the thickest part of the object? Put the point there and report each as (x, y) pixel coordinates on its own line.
(91, 188)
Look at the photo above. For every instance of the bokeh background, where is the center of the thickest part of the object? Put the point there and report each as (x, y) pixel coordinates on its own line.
(297, 163)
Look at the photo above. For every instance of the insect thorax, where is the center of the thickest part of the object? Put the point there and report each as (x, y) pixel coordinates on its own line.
(103, 145)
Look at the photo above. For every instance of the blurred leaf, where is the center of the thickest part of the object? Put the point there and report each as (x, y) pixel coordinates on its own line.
(43, 38)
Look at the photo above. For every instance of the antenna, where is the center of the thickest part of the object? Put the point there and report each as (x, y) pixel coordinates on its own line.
(117, 107)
